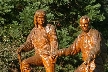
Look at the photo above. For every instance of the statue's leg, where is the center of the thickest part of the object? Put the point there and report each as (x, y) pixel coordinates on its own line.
(97, 67)
(34, 60)
(49, 66)
(81, 68)
(25, 67)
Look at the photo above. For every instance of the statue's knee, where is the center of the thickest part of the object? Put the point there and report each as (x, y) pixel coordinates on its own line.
(25, 66)
(24, 62)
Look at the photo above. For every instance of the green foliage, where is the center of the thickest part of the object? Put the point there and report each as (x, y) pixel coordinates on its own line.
(67, 35)
(5, 8)
(16, 22)
(94, 11)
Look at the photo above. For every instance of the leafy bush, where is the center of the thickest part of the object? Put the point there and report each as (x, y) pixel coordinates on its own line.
(16, 21)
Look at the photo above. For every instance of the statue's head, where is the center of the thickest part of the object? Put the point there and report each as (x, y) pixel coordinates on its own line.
(40, 14)
(85, 23)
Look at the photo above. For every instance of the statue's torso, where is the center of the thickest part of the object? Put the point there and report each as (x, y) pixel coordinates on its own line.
(87, 42)
(40, 40)
(85, 45)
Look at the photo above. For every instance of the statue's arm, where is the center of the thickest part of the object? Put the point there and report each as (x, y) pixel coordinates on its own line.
(71, 50)
(95, 46)
(27, 46)
(53, 38)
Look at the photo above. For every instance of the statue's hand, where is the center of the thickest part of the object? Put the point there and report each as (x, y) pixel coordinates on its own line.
(54, 54)
(19, 50)
(91, 56)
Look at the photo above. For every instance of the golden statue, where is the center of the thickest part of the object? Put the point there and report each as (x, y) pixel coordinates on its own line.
(92, 46)
(43, 39)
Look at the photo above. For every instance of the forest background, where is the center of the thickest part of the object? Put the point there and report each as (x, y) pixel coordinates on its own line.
(16, 22)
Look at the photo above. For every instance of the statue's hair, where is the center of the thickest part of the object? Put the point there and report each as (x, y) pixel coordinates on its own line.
(85, 17)
(37, 13)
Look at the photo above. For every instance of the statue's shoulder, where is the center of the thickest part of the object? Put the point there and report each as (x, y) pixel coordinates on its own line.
(33, 30)
(95, 32)
(51, 26)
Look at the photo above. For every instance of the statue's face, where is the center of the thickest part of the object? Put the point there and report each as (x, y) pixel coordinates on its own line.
(84, 24)
(40, 20)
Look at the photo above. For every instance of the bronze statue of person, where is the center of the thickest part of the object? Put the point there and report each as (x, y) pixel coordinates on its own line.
(43, 39)
(92, 46)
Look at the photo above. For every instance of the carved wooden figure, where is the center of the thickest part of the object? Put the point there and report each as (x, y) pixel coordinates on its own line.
(43, 39)
(92, 46)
